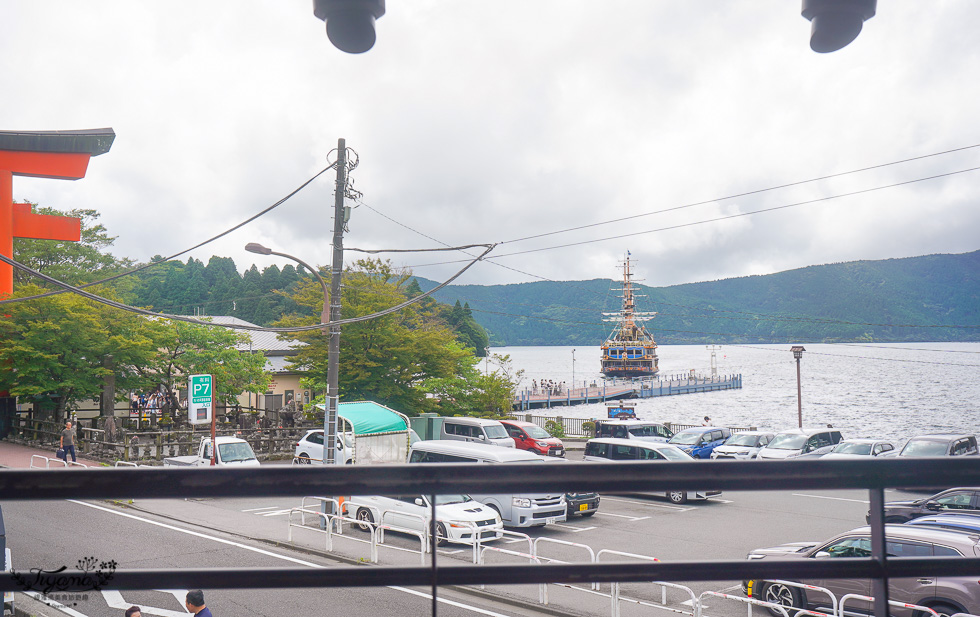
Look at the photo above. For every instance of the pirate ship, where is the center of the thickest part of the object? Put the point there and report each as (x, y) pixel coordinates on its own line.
(630, 350)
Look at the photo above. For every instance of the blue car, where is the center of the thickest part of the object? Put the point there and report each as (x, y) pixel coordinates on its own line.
(962, 522)
(700, 442)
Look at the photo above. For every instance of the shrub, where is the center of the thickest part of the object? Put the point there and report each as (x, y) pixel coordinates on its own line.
(589, 429)
(554, 429)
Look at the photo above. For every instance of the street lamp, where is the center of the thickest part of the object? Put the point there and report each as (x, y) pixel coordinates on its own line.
(798, 353)
(573, 369)
(254, 247)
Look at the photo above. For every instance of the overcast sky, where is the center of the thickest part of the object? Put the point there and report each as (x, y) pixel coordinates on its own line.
(493, 120)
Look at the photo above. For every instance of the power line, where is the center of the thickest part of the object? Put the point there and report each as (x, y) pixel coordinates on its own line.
(837, 355)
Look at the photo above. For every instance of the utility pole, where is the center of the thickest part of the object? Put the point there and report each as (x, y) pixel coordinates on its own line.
(798, 353)
(336, 271)
(714, 360)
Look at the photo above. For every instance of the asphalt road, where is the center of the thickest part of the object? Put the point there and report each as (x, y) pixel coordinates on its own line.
(209, 533)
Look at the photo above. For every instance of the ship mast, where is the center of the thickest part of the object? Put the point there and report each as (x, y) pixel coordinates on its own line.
(629, 317)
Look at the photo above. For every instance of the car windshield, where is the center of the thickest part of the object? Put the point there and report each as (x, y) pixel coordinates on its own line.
(674, 454)
(495, 431)
(924, 447)
(685, 438)
(787, 442)
(852, 448)
(648, 430)
(742, 440)
(233, 452)
(537, 432)
(442, 500)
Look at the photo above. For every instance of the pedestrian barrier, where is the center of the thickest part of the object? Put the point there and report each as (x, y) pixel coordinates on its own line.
(855, 596)
(125, 464)
(421, 535)
(534, 550)
(335, 503)
(542, 587)
(614, 587)
(699, 605)
(824, 590)
(327, 531)
(75, 464)
(47, 462)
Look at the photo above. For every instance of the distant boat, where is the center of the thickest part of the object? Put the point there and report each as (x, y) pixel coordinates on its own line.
(630, 350)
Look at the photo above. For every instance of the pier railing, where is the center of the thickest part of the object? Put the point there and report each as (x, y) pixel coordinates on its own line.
(585, 427)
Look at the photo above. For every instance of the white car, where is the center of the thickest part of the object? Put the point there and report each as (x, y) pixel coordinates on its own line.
(309, 449)
(742, 446)
(458, 517)
(861, 449)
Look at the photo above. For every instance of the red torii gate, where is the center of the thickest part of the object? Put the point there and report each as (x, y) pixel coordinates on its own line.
(42, 154)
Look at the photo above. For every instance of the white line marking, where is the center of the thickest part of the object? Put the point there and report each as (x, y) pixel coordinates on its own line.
(572, 528)
(257, 509)
(455, 552)
(721, 500)
(864, 501)
(273, 513)
(632, 518)
(270, 554)
(730, 589)
(515, 541)
(115, 600)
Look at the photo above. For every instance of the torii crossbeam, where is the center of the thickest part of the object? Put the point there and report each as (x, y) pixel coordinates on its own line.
(42, 154)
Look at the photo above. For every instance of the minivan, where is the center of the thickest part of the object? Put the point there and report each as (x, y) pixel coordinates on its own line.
(521, 510)
(632, 429)
(476, 430)
(604, 450)
(797, 441)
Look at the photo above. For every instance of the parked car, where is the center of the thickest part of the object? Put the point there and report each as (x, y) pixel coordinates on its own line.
(797, 441)
(232, 452)
(945, 595)
(962, 499)
(940, 445)
(633, 429)
(309, 449)
(581, 504)
(602, 450)
(476, 430)
(701, 441)
(861, 448)
(458, 517)
(741, 446)
(531, 437)
(962, 522)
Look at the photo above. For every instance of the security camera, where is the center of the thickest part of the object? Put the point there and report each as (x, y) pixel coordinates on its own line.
(835, 23)
(350, 23)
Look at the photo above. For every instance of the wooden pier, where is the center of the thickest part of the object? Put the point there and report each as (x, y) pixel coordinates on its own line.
(528, 399)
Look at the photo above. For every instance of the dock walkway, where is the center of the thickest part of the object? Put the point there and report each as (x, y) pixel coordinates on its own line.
(528, 399)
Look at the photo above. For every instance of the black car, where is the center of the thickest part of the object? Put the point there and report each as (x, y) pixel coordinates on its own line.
(962, 499)
(585, 504)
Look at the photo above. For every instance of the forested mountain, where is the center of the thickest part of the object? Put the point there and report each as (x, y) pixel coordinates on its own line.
(928, 298)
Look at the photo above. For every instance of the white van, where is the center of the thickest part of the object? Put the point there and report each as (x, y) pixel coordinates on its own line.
(522, 510)
(476, 430)
(611, 449)
(633, 429)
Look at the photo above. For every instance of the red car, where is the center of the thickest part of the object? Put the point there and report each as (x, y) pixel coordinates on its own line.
(529, 436)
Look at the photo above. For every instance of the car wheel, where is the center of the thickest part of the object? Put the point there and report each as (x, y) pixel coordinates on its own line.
(784, 595)
(363, 514)
(304, 459)
(944, 610)
(441, 538)
(677, 497)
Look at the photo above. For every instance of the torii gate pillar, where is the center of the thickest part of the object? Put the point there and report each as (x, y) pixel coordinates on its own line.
(42, 154)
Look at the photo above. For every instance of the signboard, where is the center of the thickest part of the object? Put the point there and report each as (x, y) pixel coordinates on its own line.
(199, 399)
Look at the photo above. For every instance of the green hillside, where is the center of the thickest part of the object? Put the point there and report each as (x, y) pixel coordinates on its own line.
(911, 299)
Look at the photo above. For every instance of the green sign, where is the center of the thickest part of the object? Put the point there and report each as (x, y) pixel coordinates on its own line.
(199, 389)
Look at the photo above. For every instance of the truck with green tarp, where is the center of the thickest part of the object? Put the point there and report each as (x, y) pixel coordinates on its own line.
(368, 433)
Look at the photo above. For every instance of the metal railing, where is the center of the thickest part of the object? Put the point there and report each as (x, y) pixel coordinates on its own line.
(435, 479)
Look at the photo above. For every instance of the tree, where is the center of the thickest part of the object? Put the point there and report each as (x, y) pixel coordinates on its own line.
(493, 394)
(73, 262)
(394, 359)
(55, 347)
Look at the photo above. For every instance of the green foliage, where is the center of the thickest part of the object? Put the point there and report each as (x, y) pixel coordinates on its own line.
(493, 394)
(588, 427)
(555, 429)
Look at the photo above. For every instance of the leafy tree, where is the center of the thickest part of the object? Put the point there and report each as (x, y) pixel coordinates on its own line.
(73, 262)
(493, 394)
(394, 359)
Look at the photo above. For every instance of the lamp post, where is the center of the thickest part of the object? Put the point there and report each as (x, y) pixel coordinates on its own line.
(798, 353)
(254, 247)
(573, 369)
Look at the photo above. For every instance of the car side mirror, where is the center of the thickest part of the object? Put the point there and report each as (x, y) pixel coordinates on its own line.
(822, 554)
(419, 502)
(933, 505)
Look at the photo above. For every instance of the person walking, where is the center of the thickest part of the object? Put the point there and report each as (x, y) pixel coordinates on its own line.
(195, 603)
(68, 442)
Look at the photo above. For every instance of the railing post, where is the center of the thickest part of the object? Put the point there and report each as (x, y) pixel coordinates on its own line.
(879, 585)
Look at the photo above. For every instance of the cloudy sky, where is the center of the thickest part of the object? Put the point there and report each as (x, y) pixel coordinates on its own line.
(492, 121)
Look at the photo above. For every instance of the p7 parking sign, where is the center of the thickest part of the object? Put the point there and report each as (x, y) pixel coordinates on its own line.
(199, 399)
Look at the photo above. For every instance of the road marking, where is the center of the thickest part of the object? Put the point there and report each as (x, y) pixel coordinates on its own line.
(273, 513)
(257, 509)
(260, 551)
(645, 503)
(722, 500)
(515, 541)
(573, 528)
(115, 600)
(864, 501)
(632, 518)
(455, 552)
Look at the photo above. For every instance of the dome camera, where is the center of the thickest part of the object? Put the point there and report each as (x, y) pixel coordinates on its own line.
(835, 23)
(350, 23)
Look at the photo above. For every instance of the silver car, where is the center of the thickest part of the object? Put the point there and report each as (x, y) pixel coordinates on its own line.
(742, 446)
(945, 595)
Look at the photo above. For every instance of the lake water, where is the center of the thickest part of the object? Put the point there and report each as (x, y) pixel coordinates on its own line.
(875, 390)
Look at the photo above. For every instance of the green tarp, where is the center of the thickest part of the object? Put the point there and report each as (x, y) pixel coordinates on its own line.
(368, 418)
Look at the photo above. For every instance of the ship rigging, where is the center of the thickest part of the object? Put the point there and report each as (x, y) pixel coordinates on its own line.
(630, 350)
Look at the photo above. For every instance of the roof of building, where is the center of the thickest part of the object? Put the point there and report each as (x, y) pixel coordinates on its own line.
(87, 141)
(268, 342)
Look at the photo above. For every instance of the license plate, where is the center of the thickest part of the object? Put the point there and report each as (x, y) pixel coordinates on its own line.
(559, 452)
(583, 506)
(553, 519)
